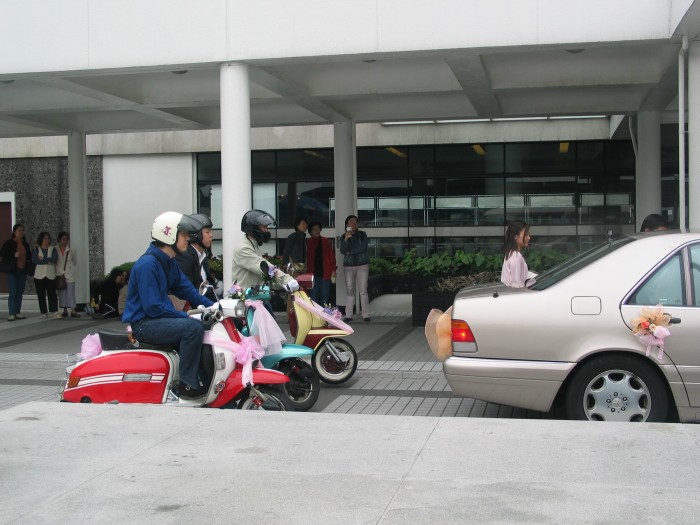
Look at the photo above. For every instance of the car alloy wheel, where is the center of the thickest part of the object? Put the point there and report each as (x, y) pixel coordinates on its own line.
(617, 388)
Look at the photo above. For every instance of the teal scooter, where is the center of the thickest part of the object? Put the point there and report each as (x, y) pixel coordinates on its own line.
(302, 390)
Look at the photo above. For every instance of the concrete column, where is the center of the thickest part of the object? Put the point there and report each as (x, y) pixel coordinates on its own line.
(648, 165)
(78, 214)
(345, 181)
(694, 136)
(236, 185)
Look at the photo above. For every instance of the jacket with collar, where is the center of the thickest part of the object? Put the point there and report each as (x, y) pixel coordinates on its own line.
(151, 277)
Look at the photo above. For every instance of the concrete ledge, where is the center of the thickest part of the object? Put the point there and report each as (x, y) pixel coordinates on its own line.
(102, 463)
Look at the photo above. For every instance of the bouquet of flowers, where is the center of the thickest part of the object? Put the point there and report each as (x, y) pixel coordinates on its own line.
(332, 311)
(236, 292)
(650, 328)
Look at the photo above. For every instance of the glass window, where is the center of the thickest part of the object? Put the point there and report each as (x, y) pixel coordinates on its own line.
(543, 200)
(562, 271)
(695, 271)
(310, 200)
(590, 156)
(665, 286)
(469, 201)
(264, 198)
(262, 166)
(468, 159)
(308, 164)
(382, 202)
(389, 162)
(539, 157)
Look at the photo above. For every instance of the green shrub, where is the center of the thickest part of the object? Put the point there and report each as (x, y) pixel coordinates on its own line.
(460, 263)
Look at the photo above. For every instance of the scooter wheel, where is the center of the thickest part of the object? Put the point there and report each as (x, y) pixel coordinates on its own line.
(274, 402)
(331, 370)
(303, 387)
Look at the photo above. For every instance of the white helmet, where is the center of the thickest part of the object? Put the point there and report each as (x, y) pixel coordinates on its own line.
(165, 227)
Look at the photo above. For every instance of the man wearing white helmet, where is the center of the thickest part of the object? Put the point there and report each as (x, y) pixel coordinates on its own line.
(151, 313)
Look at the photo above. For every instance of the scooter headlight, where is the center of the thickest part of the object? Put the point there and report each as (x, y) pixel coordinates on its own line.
(240, 309)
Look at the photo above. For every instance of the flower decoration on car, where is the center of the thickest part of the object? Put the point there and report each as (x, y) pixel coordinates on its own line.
(650, 328)
(235, 292)
(332, 311)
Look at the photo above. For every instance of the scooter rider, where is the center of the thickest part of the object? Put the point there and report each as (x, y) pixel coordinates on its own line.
(248, 261)
(150, 312)
(194, 261)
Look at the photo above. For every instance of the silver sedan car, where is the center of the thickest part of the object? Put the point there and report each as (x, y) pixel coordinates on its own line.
(567, 337)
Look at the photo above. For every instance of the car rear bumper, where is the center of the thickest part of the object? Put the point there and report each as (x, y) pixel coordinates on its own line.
(526, 384)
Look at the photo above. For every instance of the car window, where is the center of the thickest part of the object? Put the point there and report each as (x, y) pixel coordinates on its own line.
(695, 268)
(561, 271)
(664, 286)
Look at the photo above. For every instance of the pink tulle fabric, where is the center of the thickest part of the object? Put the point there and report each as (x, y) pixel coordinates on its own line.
(90, 347)
(656, 338)
(244, 353)
(266, 328)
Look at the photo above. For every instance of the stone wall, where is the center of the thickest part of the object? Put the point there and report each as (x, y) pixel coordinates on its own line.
(41, 199)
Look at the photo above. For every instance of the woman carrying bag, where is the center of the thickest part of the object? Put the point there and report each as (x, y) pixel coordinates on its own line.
(45, 256)
(65, 276)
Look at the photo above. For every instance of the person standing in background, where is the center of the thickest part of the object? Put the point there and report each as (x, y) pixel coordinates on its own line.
(65, 266)
(45, 256)
(15, 254)
(321, 263)
(514, 270)
(353, 246)
(295, 247)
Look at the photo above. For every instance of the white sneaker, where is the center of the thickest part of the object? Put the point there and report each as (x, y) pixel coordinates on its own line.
(57, 315)
(11, 318)
(44, 316)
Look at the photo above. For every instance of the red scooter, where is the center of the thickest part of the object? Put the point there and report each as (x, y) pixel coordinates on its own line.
(120, 369)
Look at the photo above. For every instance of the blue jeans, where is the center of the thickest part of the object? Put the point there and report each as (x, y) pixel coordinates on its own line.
(184, 331)
(321, 291)
(16, 283)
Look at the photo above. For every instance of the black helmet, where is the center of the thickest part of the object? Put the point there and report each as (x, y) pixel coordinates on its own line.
(251, 222)
(202, 221)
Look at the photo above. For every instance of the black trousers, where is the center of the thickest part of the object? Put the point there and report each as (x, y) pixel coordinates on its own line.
(46, 287)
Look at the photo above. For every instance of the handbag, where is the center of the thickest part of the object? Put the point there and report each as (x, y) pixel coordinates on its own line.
(61, 282)
(61, 279)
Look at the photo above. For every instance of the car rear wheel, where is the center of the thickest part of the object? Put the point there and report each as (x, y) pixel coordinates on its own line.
(617, 388)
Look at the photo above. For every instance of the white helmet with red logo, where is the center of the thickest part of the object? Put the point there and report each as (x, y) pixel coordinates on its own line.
(166, 226)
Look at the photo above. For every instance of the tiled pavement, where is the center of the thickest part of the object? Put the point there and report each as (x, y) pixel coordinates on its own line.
(397, 374)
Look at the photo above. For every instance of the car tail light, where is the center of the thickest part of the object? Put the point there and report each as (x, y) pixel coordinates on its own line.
(461, 333)
(463, 341)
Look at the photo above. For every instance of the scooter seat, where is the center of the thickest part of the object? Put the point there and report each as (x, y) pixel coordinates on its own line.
(119, 340)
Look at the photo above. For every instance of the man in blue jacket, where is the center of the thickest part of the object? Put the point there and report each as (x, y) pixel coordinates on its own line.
(151, 313)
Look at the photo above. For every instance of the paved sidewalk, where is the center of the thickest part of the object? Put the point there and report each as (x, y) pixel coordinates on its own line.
(397, 374)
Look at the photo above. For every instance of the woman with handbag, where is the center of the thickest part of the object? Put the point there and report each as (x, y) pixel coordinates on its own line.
(65, 276)
(15, 260)
(45, 256)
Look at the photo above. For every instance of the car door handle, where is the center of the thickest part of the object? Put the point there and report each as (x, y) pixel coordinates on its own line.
(675, 320)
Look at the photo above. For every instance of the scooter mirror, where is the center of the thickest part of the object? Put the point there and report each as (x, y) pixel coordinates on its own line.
(204, 287)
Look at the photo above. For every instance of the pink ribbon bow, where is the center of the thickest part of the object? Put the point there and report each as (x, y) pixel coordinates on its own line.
(654, 337)
(244, 353)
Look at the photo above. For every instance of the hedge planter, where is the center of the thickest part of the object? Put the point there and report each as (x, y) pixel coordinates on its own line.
(423, 301)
